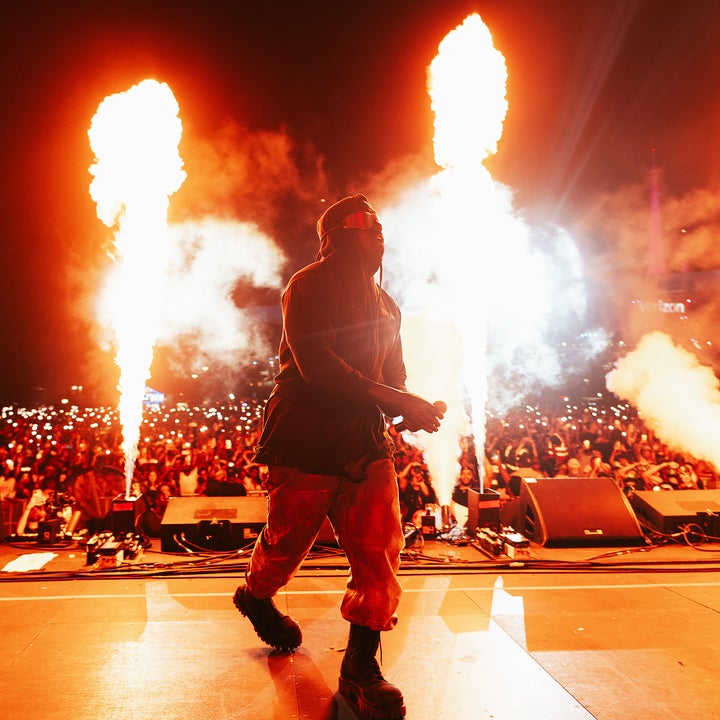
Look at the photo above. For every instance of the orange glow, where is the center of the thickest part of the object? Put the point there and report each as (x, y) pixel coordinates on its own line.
(134, 136)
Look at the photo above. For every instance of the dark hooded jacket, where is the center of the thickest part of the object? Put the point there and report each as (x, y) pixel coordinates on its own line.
(341, 332)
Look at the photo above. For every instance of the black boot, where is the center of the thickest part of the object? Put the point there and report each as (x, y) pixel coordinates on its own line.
(272, 627)
(361, 681)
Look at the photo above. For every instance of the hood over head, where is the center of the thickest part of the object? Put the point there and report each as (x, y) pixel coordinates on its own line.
(337, 225)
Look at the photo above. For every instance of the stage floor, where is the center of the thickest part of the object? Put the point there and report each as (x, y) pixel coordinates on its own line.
(567, 634)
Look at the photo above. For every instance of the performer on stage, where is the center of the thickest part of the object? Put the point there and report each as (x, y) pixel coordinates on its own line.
(325, 442)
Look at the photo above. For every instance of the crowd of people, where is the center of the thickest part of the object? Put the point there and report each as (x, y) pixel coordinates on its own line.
(52, 458)
(55, 458)
(598, 439)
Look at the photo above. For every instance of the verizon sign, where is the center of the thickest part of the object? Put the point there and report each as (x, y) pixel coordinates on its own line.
(661, 306)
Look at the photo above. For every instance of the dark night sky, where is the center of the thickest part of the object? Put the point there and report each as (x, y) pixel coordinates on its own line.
(593, 85)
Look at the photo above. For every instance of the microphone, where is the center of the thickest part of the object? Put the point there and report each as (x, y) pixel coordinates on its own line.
(401, 425)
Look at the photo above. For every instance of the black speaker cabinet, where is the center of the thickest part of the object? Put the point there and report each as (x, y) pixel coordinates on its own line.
(577, 512)
(125, 512)
(483, 509)
(667, 510)
(212, 523)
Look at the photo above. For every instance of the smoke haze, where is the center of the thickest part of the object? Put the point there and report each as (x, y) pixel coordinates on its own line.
(209, 258)
(532, 282)
(618, 224)
(676, 395)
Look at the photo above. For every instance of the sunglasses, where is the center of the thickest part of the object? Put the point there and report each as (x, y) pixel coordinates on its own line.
(356, 221)
(359, 221)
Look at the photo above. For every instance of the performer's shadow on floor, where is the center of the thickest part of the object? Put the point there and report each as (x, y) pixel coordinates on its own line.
(301, 686)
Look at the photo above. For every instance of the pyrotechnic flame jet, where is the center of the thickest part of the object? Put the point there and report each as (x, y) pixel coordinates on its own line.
(460, 260)
(466, 82)
(134, 136)
(444, 295)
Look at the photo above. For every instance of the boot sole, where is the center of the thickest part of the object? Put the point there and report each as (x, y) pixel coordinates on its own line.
(241, 605)
(367, 710)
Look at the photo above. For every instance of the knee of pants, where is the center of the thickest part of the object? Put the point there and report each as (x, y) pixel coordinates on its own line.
(366, 515)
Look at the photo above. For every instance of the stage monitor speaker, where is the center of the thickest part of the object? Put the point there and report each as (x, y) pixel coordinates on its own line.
(212, 523)
(577, 512)
(220, 523)
(668, 510)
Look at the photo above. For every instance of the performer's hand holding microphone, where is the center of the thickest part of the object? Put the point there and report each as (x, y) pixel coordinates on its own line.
(422, 418)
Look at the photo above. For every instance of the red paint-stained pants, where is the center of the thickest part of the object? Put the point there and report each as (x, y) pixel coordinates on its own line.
(366, 519)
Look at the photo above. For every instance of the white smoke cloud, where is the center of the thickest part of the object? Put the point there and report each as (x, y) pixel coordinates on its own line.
(209, 257)
(526, 284)
(677, 396)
